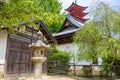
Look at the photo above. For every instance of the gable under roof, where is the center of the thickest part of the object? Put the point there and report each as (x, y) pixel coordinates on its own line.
(46, 32)
(72, 21)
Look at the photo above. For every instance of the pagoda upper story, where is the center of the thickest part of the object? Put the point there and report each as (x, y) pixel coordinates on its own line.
(73, 22)
(75, 7)
(76, 12)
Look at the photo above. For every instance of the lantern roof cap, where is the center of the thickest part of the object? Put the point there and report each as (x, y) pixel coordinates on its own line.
(39, 44)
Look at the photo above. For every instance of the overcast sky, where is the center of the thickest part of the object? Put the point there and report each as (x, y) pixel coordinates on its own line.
(85, 3)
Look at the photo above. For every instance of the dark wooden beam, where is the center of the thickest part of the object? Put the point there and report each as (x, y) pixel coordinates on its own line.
(64, 40)
(64, 36)
(24, 35)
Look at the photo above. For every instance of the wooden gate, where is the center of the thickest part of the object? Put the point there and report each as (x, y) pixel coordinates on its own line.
(18, 55)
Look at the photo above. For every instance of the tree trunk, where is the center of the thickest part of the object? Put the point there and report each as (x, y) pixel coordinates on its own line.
(113, 61)
(114, 58)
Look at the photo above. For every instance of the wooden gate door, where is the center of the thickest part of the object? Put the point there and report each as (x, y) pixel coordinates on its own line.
(18, 55)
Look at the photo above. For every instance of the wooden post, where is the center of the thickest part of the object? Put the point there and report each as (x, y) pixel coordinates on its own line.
(74, 68)
(111, 66)
(91, 70)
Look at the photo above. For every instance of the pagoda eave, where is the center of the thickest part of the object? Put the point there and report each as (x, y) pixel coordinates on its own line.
(76, 7)
(75, 13)
(80, 19)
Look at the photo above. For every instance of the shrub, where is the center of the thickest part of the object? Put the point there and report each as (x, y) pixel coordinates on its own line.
(105, 70)
(58, 59)
(87, 71)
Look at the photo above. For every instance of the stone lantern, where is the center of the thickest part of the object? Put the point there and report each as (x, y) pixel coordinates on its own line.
(38, 58)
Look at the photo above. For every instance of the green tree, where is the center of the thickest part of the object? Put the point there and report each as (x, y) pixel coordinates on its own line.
(88, 39)
(100, 36)
(16, 12)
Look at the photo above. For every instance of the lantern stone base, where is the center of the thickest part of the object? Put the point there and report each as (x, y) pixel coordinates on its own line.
(38, 67)
(38, 71)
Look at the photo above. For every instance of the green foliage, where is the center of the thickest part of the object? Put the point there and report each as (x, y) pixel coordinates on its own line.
(111, 49)
(52, 6)
(87, 42)
(53, 21)
(57, 57)
(100, 37)
(105, 70)
(16, 12)
(87, 71)
(110, 54)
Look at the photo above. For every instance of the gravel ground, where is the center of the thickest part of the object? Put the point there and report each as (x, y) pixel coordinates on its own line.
(60, 78)
(55, 77)
(47, 77)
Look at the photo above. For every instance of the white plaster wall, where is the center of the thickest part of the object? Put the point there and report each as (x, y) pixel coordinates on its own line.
(67, 47)
(3, 44)
(73, 49)
(99, 60)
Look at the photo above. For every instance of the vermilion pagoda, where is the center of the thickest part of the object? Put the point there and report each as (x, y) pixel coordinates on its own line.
(73, 22)
(76, 12)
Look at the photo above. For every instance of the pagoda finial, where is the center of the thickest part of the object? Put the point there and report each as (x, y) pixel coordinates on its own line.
(75, 1)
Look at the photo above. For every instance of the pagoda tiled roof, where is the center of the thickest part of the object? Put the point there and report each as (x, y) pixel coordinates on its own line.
(65, 32)
(75, 7)
(73, 21)
(77, 13)
(80, 14)
(78, 18)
